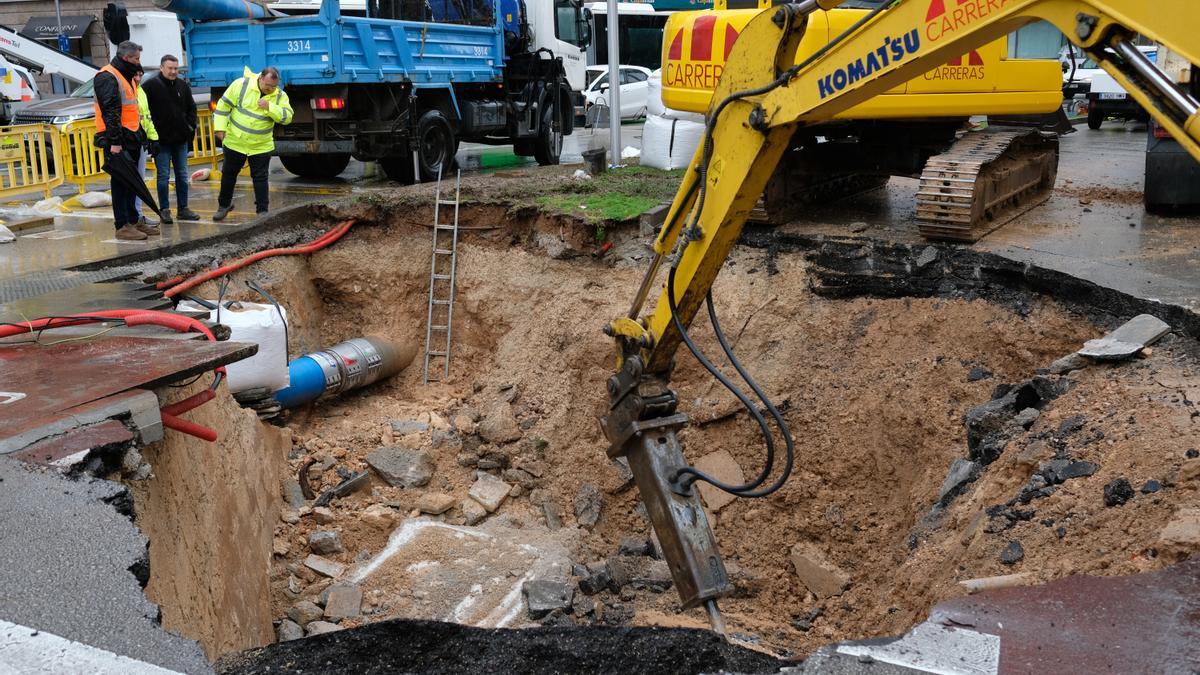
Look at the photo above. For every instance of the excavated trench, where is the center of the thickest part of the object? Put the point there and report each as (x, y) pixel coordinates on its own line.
(876, 390)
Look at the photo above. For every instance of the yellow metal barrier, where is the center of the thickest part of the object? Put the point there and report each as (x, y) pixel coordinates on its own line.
(83, 161)
(28, 154)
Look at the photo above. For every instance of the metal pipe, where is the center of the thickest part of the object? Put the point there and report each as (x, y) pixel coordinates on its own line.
(643, 291)
(1144, 67)
(614, 85)
(344, 366)
(209, 10)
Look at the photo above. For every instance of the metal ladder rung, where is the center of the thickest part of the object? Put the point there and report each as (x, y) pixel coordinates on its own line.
(445, 227)
(445, 277)
(446, 202)
(443, 251)
(439, 327)
(438, 354)
(440, 302)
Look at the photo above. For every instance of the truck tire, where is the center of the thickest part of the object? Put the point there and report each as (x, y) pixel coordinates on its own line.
(399, 169)
(435, 144)
(548, 146)
(328, 165)
(1095, 117)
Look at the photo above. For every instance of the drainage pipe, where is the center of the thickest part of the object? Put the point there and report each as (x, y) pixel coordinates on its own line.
(344, 366)
(209, 10)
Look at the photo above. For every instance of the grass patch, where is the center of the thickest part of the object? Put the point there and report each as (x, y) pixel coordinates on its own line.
(615, 195)
(597, 208)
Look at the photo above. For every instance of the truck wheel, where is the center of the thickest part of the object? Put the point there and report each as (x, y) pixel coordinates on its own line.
(328, 165)
(1095, 117)
(548, 145)
(399, 169)
(435, 144)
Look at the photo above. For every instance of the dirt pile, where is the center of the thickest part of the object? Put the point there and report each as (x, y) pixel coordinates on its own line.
(875, 391)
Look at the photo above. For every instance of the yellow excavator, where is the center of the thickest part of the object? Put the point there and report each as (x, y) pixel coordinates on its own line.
(970, 184)
(771, 88)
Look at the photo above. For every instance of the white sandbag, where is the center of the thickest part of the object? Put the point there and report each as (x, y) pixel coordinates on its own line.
(6, 235)
(260, 324)
(655, 105)
(669, 143)
(48, 206)
(93, 200)
(630, 152)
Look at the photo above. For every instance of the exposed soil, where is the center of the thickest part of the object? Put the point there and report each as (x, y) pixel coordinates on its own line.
(875, 391)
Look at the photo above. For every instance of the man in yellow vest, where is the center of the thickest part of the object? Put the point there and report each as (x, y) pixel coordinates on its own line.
(149, 140)
(244, 121)
(117, 124)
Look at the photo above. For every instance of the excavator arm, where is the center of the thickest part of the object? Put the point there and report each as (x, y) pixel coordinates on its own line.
(764, 94)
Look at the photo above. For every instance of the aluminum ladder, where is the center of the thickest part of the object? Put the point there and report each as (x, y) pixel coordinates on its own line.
(442, 270)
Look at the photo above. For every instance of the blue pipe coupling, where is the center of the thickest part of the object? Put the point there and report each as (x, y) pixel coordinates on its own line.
(342, 367)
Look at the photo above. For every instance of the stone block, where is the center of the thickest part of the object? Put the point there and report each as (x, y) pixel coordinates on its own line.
(489, 491)
(344, 601)
(325, 542)
(820, 576)
(435, 503)
(324, 566)
(722, 466)
(543, 596)
(402, 467)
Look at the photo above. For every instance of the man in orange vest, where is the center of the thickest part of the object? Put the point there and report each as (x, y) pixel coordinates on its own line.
(118, 119)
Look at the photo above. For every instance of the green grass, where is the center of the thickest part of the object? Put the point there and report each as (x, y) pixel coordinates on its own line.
(615, 195)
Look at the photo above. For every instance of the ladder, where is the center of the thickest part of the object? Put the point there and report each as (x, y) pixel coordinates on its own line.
(441, 282)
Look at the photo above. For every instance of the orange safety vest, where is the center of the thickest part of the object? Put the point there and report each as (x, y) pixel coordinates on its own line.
(130, 114)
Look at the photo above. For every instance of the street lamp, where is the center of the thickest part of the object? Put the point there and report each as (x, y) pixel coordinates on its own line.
(614, 84)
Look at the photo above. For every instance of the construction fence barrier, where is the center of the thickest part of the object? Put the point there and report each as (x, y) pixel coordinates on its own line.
(83, 162)
(29, 159)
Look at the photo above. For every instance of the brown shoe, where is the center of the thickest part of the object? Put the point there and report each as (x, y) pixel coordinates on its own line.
(146, 228)
(130, 233)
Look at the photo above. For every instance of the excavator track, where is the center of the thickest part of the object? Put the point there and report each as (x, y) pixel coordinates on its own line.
(983, 181)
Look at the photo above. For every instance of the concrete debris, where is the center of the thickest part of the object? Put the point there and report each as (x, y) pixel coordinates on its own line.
(467, 459)
(927, 256)
(323, 515)
(1027, 417)
(473, 511)
(805, 623)
(288, 630)
(467, 575)
(463, 424)
(325, 542)
(1068, 363)
(1135, 335)
(1013, 553)
(543, 596)
(499, 424)
(551, 512)
(597, 577)
(293, 495)
(1183, 532)
(324, 566)
(435, 503)
(640, 573)
(722, 466)
(493, 460)
(1117, 492)
(520, 477)
(403, 427)
(1056, 471)
(588, 504)
(489, 491)
(378, 516)
(635, 546)
(305, 612)
(344, 601)
(402, 467)
(321, 628)
(280, 547)
(962, 471)
(820, 576)
(289, 516)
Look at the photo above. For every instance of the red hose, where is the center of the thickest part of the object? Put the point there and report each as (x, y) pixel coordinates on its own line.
(317, 244)
(140, 317)
(167, 283)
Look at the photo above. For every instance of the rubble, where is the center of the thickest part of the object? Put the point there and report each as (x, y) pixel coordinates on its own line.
(305, 612)
(321, 628)
(324, 566)
(1117, 492)
(473, 511)
(323, 515)
(288, 630)
(1013, 553)
(489, 491)
(499, 424)
(1132, 337)
(543, 596)
(378, 516)
(722, 466)
(636, 546)
(325, 542)
(962, 471)
(1183, 532)
(343, 601)
(588, 503)
(435, 503)
(402, 467)
(820, 576)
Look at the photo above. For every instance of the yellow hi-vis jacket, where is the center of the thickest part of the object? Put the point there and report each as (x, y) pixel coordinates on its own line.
(144, 112)
(248, 128)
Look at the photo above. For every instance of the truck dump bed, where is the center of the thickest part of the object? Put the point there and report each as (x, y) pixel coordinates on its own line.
(328, 48)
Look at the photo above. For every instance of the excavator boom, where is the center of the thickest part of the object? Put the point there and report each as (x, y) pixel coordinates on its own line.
(762, 98)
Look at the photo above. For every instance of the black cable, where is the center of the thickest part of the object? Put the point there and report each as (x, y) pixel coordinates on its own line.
(744, 490)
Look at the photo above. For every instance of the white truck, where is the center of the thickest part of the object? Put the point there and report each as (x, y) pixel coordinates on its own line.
(17, 88)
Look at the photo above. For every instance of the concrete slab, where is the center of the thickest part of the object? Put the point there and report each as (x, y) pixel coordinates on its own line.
(1132, 337)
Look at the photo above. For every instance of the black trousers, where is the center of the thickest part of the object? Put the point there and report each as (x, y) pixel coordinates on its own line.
(123, 196)
(259, 165)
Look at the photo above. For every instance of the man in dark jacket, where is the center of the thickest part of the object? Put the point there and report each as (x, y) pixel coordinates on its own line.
(117, 125)
(174, 113)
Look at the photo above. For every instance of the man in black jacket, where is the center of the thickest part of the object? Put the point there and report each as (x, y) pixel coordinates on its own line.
(117, 125)
(174, 113)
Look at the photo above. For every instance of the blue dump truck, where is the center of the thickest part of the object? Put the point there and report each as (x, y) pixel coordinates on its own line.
(404, 83)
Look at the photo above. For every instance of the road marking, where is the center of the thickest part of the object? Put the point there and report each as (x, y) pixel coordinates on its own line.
(930, 648)
(29, 650)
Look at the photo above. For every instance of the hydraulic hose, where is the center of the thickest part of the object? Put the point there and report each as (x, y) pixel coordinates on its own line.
(317, 244)
(140, 317)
